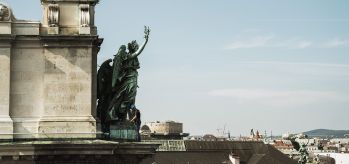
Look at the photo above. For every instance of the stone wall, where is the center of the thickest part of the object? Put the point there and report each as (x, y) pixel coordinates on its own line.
(48, 71)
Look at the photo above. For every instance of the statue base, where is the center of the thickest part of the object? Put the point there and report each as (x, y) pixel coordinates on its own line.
(123, 131)
(75, 152)
(6, 128)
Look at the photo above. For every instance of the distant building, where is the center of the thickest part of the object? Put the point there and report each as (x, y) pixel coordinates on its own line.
(168, 127)
(163, 130)
(209, 137)
(255, 136)
(284, 146)
(340, 140)
(197, 138)
(307, 141)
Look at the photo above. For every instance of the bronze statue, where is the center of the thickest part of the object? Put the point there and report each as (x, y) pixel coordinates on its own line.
(304, 155)
(104, 92)
(301, 148)
(117, 85)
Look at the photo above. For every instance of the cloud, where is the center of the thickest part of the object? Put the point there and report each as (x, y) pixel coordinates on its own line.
(255, 42)
(268, 41)
(303, 20)
(254, 38)
(277, 97)
(304, 44)
(296, 63)
(336, 42)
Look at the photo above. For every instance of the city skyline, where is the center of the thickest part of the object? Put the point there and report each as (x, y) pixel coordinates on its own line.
(274, 66)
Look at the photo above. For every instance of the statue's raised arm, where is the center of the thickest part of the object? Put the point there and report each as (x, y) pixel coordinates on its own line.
(146, 36)
(122, 90)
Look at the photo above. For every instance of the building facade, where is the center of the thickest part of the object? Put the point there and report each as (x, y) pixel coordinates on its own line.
(47, 72)
(169, 130)
(166, 127)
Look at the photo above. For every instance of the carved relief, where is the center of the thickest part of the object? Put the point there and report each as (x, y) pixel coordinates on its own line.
(5, 13)
(53, 15)
(84, 15)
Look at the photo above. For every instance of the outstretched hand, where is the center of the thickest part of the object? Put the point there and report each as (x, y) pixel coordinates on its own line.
(146, 32)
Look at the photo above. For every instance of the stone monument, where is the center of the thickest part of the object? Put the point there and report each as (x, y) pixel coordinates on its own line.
(48, 72)
(48, 89)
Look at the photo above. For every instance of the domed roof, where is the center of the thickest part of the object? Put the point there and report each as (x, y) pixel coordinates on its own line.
(145, 128)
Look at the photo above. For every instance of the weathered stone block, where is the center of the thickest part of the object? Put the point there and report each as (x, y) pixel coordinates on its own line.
(53, 30)
(67, 127)
(21, 109)
(5, 28)
(25, 127)
(85, 31)
(26, 28)
(6, 127)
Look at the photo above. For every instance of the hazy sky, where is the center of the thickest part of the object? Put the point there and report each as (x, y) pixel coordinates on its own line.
(268, 65)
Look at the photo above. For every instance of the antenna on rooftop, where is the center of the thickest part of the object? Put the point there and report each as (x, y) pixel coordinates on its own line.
(224, 129)
(218, 130)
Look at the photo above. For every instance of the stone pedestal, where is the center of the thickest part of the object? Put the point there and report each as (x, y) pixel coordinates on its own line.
(6, 128)
(124, 131)
(67, 127)
(75, 152)
(48, 73)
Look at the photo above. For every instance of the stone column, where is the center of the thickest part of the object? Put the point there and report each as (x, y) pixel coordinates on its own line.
(68, 87)
(70, 69)
(6, 125)
(26, 91)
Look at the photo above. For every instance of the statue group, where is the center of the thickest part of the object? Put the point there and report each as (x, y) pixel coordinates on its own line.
(117, 88)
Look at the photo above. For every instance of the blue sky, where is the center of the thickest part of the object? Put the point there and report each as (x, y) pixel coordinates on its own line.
(280, 66)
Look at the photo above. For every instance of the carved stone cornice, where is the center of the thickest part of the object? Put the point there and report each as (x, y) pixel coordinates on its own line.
(69, 41)
(79, 151)
(93, 2)
(6, 40)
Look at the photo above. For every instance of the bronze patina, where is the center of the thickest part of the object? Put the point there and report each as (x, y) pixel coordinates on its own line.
(117, 86)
